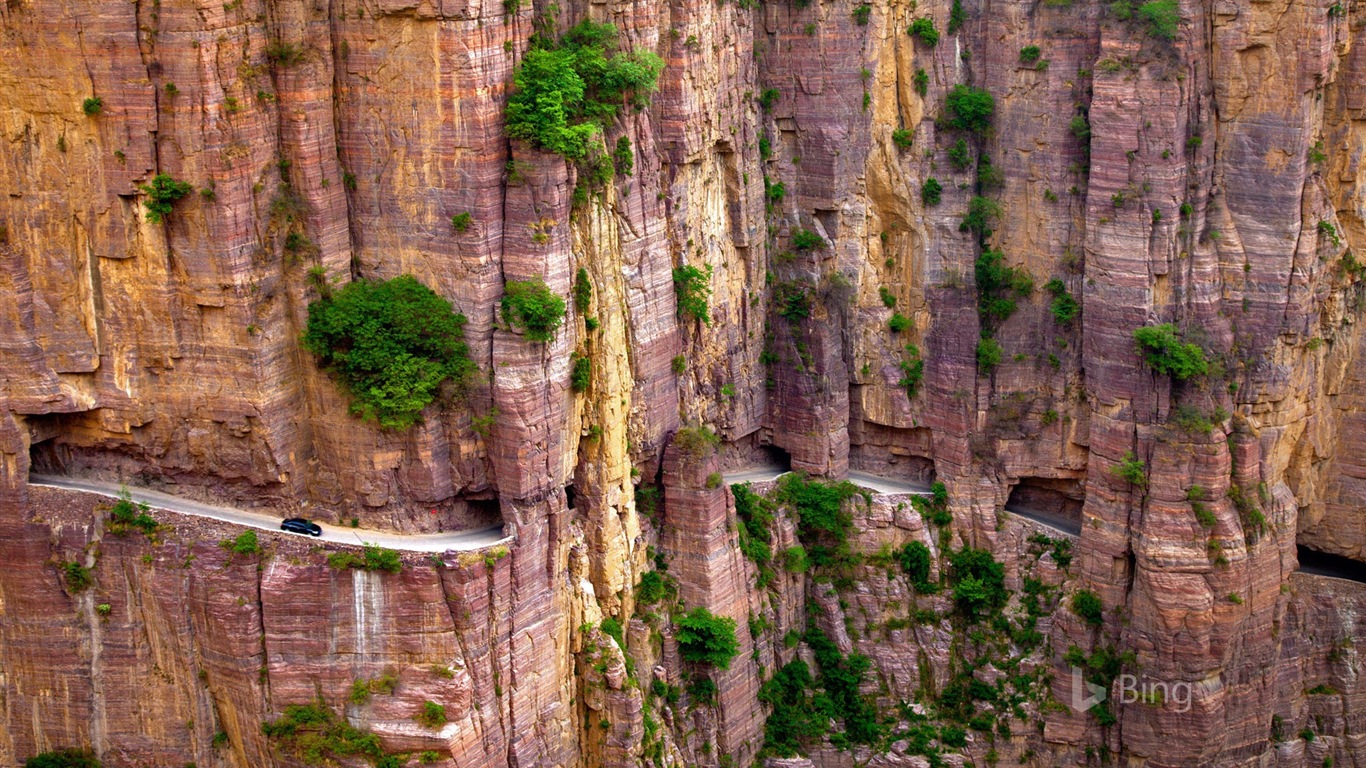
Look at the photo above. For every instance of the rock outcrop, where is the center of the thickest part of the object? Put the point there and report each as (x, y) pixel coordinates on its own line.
(1193, 163)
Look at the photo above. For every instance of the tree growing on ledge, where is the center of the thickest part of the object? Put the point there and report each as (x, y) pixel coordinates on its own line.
(707, 638)
(392, 344)
(162, 195)
(566, 91)
(1164, 351)
(533, 307)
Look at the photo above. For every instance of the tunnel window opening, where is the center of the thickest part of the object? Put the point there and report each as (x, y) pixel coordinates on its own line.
(1055, 502)
(46, 455)
(569, 496)
(774, 456)
(1318, 563)
(477, 513)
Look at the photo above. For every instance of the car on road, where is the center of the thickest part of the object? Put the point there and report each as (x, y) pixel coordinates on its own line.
(300, 525)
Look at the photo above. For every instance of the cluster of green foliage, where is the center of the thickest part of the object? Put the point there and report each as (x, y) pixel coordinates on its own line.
(862, 13)
(653, 587)
(583, 291)
(245, 544)
(1062, 548)
(1064, 307)
(566, 92)
(361, 690)
(706, 639)
(794, 722)
(1131, 470)
(915, 561)
(840, 677)
(932, 191)
(935, 508)
(806, 240)
(64, 758)
(695, 442)
(903, 138)
(1161, 18)
(921, 81)
(432, 715)
(924, 29)
(315, 735)
(372, 558)
(957, 16)
(756, 518)
(1030, 54)
(1196, 496)
(1101, 668)
(462, 221)
(1163, 350)
(126, 515)
(693, 287)
(969, 109)
(533, 307)
(989, 354)
(392, 344)
(823, 523)
(623, 159)
(899, 323)
(961, 156)
(792, 300)
(162, 195)
(78, 577)
(1087, 605)
(580, 373)
(982, 212)
(912, 370)
(979, 587)
(998, 287)
(92, 106)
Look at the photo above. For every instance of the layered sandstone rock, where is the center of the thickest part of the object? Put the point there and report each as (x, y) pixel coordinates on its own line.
(1218, 188)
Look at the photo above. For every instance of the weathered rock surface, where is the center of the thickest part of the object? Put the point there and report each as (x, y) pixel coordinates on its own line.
(1212, 180)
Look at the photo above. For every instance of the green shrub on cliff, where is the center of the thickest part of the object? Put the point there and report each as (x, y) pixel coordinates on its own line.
(162, 195)
(1087, 605)
(969, 109)
(533, 307)
(979, 588)
(925, 30)
(392, 344)
(314, 735)
(692, 286)
(566, 91)
(706, 638)
(64, 758)
(1163, 350)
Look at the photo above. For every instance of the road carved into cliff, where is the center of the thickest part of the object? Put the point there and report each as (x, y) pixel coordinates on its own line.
(459, 541)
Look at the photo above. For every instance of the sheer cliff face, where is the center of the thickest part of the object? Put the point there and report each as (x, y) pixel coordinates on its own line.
(1212, 181)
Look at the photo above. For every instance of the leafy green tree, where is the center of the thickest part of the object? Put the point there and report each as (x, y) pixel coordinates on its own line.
(566, 92)
(533, 307)
(969, 109)
(693, 287)
(1163, 350)
(162, 195)
(706, 638)
(978, 583)
(392, 344)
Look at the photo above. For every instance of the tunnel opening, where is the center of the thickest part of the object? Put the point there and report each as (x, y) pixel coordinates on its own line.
(773, 456)
(1052, 501)
(1319, 563)
(46, 454)
(476, 513)
(892, 452)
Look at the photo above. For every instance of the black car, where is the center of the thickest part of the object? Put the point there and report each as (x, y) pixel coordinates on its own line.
(300, 525)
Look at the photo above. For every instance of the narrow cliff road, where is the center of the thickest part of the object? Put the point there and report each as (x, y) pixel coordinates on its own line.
(418, 542)
(1060, 523)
